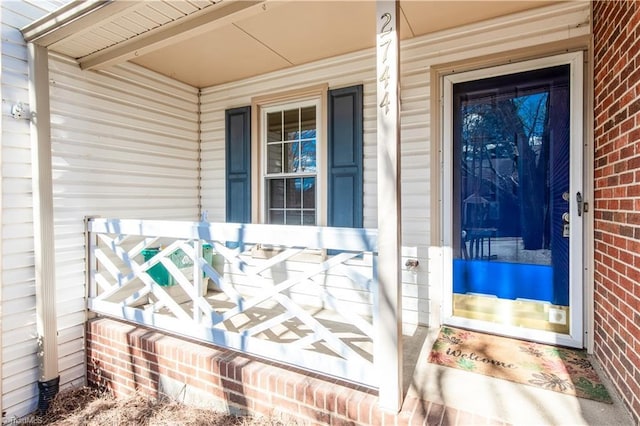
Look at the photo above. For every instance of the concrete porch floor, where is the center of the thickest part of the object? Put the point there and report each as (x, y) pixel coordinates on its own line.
(499, 399)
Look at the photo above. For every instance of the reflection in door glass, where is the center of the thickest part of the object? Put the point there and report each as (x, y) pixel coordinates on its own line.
(505, 154)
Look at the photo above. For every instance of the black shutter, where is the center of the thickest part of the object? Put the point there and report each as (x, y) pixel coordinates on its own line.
(345, 187)
(238, 164)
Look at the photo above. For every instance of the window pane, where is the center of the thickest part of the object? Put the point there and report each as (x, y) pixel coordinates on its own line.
(294, 193)
(291, 157)
(308, 119)
(276, 193)
(276, 217)
(294, 217)
(274, 126)
(291, 127)
(308, 158)
(274, 158)
(309, 217)
(309, 193)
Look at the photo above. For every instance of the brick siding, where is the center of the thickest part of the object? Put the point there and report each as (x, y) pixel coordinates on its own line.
(126, 358)
(616, 28)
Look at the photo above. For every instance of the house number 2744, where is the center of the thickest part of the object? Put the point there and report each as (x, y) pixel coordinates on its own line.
(385, 43)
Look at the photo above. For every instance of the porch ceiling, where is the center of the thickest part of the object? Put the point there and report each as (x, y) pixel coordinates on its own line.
(209, 42)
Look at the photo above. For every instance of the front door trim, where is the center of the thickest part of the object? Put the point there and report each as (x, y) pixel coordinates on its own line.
(575, 338)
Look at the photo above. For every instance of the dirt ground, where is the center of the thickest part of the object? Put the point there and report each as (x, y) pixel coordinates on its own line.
(87, 406)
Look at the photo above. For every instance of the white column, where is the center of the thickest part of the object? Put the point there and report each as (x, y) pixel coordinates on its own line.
(46, 320)
(388, 337)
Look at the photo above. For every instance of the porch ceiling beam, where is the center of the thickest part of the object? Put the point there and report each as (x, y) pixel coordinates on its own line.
(71, 19)
(223, 13)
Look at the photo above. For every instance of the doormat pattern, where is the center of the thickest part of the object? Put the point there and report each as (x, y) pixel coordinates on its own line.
(548, 367)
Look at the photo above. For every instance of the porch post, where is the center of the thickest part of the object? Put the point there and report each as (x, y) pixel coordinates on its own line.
(46, 319)
(388, 337)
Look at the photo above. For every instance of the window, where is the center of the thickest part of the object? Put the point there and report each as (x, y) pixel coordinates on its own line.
(290, 163)
(296, 158)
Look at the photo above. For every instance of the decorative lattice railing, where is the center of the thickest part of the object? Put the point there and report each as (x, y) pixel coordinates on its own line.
(300, 295)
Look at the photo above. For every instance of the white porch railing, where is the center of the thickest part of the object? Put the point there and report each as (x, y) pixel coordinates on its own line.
(299, 295)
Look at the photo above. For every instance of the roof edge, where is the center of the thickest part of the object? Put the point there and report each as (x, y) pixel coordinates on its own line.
(67, 19)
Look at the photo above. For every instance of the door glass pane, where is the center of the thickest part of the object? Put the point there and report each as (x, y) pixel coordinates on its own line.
(511, 169)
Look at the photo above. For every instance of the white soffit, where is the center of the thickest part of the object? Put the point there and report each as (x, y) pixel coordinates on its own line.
(226, 54)
(304, 31)
(293, 33)
(430, 16)
(208, 42)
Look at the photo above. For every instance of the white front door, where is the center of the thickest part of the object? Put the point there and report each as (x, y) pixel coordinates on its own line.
(513, 199)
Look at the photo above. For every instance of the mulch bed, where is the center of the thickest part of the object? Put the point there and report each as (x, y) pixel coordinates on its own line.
(89, 406)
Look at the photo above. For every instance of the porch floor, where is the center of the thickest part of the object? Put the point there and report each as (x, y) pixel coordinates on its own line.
(459, 391)
(435, 394)
(499, 399)
(127, 358)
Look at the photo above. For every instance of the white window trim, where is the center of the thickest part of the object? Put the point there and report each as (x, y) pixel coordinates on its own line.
(320, 173)
(313, 95)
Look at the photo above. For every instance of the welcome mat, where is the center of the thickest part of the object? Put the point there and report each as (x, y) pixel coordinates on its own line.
(548, 367)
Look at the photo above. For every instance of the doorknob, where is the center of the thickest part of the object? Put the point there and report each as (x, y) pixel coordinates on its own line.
(579, 200)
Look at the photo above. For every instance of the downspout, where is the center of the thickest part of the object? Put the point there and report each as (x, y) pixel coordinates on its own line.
(2, 414)
(46, 319)
(202, 214)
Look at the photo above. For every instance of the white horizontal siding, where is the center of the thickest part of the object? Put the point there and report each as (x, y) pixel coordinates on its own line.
(18, 330)
(124, 145)
(417, 56)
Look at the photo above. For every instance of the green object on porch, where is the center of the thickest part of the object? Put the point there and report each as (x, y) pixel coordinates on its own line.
(179, 258)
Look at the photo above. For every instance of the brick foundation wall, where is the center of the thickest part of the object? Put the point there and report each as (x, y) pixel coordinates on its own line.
(616, 28)
(127, 358)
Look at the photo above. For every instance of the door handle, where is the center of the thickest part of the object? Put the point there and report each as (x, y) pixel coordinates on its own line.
(579, 201)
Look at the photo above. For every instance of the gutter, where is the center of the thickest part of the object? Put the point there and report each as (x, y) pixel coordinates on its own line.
(44, 256)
